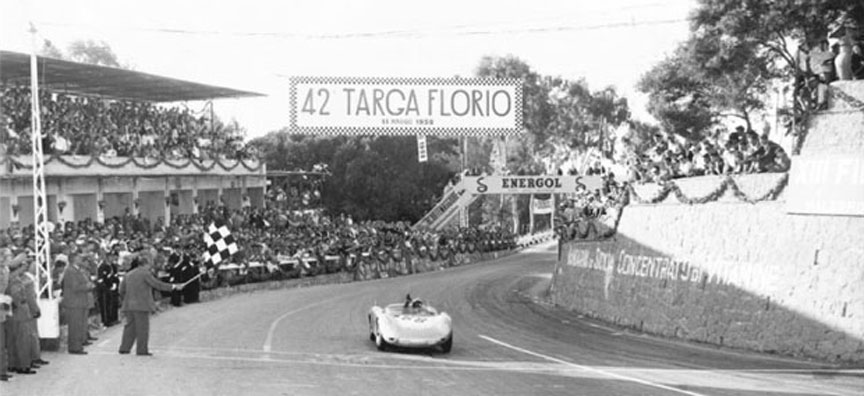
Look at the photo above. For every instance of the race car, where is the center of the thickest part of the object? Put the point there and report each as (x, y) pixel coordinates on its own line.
(412, 324)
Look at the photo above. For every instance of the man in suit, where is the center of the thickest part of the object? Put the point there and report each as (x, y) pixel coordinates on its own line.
(176, 274)
(6, 261)
(32, 300)
(77, 291)
(107, 283)
(136, 291)
(190, 271)
(19, 339)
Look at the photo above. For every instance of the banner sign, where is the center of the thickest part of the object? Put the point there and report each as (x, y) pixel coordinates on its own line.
(405, 106)
(827, 185)
(541, 206)
(531, 184)
(422, 154)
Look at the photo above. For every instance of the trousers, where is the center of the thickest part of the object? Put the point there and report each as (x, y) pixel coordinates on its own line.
(136, 331)
(76, 318)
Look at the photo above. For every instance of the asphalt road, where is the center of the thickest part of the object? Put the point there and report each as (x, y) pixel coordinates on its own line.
(314, 341)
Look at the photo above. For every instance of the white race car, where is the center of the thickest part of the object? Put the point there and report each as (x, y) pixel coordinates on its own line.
(411, 325)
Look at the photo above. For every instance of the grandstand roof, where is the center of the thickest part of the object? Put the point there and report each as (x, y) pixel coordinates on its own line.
(90, 80)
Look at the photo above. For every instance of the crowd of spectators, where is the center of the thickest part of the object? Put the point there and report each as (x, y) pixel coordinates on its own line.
(86, 126)
(741, 151)
(817, 66)
(297, 192)
(274, 244)
(267, 236)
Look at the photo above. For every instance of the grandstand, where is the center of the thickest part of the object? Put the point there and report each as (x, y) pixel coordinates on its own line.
(116, 146)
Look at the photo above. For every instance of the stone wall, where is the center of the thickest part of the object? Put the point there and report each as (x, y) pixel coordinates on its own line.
(733, 272)
(726, 272)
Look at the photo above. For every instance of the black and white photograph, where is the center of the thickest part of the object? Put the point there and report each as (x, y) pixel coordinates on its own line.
(478, 197)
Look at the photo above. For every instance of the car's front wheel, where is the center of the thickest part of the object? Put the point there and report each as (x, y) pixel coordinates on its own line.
(380, 343)
(446, 346)
(379, 339)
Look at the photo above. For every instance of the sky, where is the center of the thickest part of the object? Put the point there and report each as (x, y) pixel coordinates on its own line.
(257, 45)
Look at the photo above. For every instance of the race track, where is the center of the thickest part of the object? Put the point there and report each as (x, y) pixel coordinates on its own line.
(314, 341)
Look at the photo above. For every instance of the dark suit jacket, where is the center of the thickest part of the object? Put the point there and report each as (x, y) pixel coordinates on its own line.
(76, 289)
(136, 290)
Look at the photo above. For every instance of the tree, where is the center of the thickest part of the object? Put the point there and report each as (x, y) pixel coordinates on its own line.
(371, 178)
(764, 28)
(84, 51)
(94, 53)
(677, 97)
(735, 48)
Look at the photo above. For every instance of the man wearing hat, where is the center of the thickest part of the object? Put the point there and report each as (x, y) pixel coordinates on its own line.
(33, 327)
(77, 290)
(24, 309)
(136, 292)
(6, 261)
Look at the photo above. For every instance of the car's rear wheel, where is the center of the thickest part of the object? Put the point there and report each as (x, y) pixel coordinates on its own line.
(446, 346)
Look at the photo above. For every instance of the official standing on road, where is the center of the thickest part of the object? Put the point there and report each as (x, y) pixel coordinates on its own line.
(136, 291)
(108, 282)
(77, 294)
(175, 274)
(33, 300)
(24, 309)
(6, 261)
(191, 269)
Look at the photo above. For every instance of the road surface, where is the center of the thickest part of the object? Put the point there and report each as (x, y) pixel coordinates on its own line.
(508, 341)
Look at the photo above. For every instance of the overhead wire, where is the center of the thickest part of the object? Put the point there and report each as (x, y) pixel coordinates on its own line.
(461, 30)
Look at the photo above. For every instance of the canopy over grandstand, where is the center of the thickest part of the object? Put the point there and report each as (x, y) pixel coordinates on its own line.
(107, 82)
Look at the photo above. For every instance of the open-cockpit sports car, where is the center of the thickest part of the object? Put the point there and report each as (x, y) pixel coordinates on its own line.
(412, 324)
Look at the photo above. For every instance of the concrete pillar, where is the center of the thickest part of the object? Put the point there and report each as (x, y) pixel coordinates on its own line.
(196, 203)
(166, 218)
(100, 202)
(245, 200)
(65, 208)
(136, 200)
(219, 196)
(16, 211)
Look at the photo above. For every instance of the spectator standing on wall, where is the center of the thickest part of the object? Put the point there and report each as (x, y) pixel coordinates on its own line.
(774, 158)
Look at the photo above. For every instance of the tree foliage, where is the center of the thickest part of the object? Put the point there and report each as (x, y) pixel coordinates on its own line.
(371, 177)
(735, 48)
(85, 51)
(379, 177)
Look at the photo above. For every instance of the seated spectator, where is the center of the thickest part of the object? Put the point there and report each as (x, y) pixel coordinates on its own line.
(773, 158)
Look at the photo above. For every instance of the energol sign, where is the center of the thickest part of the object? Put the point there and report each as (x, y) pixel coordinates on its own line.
(434, 106)
(532, 184)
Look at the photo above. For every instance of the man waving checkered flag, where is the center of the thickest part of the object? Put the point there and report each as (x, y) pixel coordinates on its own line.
(220, 244)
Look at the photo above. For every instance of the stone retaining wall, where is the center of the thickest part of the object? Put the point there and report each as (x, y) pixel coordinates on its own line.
(728, 273)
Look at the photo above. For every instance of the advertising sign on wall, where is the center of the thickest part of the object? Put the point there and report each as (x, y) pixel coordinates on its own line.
(545, 184)
(402, 106)
(826, 185)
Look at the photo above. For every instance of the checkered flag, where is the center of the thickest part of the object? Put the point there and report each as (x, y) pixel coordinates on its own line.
(220, 244)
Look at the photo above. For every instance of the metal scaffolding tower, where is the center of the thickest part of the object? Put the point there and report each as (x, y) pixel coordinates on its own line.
(40, 212)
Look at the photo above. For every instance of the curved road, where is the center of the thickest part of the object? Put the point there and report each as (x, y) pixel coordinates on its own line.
(314, 341)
